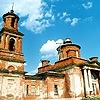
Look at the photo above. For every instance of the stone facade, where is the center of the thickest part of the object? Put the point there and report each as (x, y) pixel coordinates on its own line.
(69, 78)
(11, 59)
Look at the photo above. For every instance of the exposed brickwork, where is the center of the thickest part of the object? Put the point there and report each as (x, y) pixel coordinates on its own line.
(70, 51)
(62, 63)
(69, 78)
(45, 62)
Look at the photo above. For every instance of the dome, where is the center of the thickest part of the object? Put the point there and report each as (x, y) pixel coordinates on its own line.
(67, 40)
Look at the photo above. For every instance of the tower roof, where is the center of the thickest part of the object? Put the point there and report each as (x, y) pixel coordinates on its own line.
(10, 13)
(67, 42)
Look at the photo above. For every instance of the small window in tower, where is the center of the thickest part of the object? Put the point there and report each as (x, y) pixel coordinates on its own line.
(55, 90)
(11, 44)
(13, 21)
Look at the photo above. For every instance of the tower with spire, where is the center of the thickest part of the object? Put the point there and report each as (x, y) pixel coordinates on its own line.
(11, 42)
(11, 58)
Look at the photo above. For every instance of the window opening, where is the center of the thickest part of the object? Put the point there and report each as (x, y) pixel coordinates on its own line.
(13, 21)
(10, 86)
(55, 90)
(11, 44)
(27, 89)
(94, 88)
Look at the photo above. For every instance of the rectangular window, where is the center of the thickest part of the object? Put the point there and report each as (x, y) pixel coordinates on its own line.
(55, 90)
(10, 86)
(27, 90)
(13, 21)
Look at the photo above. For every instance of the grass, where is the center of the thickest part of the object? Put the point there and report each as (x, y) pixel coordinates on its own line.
(91, 99)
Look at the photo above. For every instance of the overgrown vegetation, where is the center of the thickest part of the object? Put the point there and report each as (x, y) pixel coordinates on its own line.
(13, 71)
(91, 98)
(4, 71)
(12, 60)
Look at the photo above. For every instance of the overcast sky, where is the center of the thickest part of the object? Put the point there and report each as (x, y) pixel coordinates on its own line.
(47, 22)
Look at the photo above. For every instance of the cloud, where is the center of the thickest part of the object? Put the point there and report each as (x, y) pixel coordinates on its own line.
(40, 19)
(87, 5)
(72, 21)
(25, 64)
(48, 50)
(67, 20)
(54, 0)
(64, 15)
(88, 19)
(34, 71)
(37, 14)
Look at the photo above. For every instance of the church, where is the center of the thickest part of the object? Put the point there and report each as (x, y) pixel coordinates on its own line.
(71, 77)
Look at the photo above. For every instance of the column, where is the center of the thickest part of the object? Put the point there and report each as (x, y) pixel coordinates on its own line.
(7, 42)
(90, 80)
(3, 39)
(19, 45)
(86, 82)
(16, 45)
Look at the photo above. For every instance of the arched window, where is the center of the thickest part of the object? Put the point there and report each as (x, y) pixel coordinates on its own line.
(11, 44)
(11, 68)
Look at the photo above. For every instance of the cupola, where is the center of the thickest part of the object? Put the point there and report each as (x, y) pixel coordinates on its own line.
(10, 20)
(10, 37)
(68, 49)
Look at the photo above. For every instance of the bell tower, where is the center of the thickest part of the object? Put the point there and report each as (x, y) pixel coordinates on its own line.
(11, 56)
(68, 49)
(11, 20)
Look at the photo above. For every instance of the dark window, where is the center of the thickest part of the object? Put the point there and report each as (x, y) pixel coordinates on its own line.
(13, 21)
(55, 90)
(11, 44)
(27, 90)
